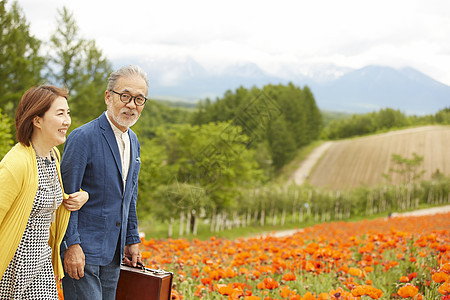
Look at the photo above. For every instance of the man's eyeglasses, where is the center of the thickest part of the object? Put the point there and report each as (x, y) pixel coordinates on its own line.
(126, 98)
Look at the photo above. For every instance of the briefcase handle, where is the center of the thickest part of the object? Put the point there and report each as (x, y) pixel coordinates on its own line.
(141, 266)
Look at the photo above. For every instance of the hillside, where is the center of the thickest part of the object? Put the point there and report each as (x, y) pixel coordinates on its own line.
(362, 161)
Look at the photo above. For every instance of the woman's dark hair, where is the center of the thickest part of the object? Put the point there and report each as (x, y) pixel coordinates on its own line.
(35, 102)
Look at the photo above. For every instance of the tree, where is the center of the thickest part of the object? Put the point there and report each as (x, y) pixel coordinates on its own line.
(65, 48)
(408, 169)
(153, 162)
(256, 109)
(281, 142)
(389, 118)
(313, 115)
(207, 162)
(88, 94)
(6, 140)
(20, 62)
(80, 66)
(290, 101)
(443, 116)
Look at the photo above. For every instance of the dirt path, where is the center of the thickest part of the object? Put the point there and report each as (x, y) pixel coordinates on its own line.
(425, 211)
(308, 163)
(421, 212)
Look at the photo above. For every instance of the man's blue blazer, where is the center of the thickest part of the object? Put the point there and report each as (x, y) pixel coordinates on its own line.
(91, 161)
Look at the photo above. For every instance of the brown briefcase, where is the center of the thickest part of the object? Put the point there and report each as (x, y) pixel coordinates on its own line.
(143, 283)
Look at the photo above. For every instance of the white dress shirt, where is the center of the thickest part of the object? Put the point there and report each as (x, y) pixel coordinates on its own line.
(123, 141)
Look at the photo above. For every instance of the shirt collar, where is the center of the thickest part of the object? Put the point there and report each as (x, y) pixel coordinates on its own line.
(116, 130)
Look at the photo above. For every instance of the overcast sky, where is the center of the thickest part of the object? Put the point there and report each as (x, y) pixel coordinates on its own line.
(346, 33)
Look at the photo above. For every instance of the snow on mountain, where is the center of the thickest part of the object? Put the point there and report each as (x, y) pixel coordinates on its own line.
(335, 88)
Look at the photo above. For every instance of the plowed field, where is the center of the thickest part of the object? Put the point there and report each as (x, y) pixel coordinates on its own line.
(362, 161)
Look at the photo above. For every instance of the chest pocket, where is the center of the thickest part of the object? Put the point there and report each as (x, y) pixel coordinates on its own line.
(137, 167)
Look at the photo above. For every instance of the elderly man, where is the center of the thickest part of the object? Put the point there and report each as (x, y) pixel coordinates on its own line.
(102, 157)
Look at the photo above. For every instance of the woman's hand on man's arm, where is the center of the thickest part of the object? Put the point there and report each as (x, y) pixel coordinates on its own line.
(76, 200)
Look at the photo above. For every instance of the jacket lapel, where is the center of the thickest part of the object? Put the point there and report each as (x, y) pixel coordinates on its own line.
(111, 141)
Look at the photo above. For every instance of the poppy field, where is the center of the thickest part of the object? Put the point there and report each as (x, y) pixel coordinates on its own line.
(395, 258)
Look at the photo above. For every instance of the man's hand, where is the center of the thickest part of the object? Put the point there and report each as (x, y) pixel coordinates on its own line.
(132, 251)
(74, 261)
(76, 200)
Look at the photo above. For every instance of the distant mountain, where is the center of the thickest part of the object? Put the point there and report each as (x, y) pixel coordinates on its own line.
(375, 87)
(337, 89)
(187, 80)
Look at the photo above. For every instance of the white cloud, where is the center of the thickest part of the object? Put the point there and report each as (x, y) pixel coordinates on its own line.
(347, 33)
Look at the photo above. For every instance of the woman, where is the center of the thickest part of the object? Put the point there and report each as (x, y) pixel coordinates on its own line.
(31, 193)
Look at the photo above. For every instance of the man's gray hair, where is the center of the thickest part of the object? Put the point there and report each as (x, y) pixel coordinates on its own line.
(131, 70)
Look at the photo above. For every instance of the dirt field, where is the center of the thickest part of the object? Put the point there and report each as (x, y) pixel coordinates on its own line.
(362, 161)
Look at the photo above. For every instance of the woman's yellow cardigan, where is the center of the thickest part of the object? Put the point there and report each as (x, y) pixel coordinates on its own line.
(19, 180)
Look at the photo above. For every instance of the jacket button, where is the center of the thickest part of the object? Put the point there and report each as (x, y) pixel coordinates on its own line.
(118, 224)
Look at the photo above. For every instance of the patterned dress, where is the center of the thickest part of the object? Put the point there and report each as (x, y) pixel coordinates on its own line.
(30, 275)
